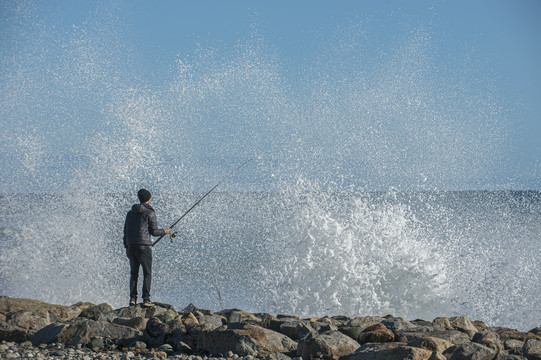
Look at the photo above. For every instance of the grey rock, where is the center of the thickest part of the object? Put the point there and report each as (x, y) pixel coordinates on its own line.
(328, 346)
(532, 349)
(94, 311)
(489, 339)
(431, 343)
(247, 340)
(392, 352)
(81, 331)
(469, 351)
(47, 334)
(22, 325)
(397, 323)
(504, 355)
(137, 323)
(138, 345)
(97, 343)
(513, 345)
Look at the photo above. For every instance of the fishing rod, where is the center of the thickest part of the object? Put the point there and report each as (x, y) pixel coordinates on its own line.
(198, 201)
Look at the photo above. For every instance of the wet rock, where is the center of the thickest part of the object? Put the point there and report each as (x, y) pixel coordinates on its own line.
(376, 333)
(328, 346)
(471, 351)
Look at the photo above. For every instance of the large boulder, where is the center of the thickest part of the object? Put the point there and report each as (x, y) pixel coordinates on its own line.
(376, 334)
(354, 327)
(453, 336)
(431, 343)
(329, 346)
(22, 325)
(489, 339)
(93, 312)
(48, 334)
(247, 340)
(532, 349)
(10, 305)
(82, 331)
(470, 351)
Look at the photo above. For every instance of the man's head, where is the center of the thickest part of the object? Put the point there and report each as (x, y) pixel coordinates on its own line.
(144, 195)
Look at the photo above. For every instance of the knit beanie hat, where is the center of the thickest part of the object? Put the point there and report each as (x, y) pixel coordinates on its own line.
(144, 195)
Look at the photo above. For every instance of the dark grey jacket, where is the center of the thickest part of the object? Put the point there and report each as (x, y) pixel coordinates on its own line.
(140, 224)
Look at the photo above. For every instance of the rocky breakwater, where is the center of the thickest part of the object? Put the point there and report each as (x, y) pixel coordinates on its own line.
(34, 329)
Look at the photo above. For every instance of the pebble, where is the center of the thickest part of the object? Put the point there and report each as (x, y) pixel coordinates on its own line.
(59, 351)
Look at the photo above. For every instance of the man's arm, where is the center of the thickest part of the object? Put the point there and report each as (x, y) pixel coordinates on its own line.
(153, 226)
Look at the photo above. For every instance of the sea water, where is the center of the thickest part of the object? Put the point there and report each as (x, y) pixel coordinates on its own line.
(417, 255)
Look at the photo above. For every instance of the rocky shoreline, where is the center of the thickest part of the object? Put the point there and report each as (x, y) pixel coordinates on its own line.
(37, 330)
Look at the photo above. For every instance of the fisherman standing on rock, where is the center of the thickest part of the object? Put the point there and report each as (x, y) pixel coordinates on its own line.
(140, 224)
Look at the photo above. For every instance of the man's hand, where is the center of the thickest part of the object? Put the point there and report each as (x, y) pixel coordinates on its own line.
(167, 231)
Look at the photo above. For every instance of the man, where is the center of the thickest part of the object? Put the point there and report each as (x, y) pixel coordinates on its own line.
(140, 224)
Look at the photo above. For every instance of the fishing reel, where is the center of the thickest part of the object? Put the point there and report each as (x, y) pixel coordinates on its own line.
(172, 236)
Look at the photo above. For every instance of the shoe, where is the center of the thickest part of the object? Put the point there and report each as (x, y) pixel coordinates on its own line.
(133, 302)
(147, 303)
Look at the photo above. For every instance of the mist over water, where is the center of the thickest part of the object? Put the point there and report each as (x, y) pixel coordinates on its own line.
(301, 230)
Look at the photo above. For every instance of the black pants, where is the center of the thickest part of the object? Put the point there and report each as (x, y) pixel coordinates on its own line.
(140, 255)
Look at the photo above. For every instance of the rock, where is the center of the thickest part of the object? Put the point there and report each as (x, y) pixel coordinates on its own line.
(22, 325)
(328, 346)
(461, 323)
(81, 331)
(137, 323)
(532, 349)
(166, 347)
(137, 345)
(182, 347)
(471, 351)
(513, 345)
(431, 343)
(47, 334)
(211, 322)
(506, 334)
(236, 316)
(60, 312)
(248, 340)
(155, 332)
(396, 323)
(503, 355)
(536, 331)
(454, 336)
(489, 339)
(354, 327)
(93, 312)
(376, 333)
(276, 356)
(400, 351)
(97, 343)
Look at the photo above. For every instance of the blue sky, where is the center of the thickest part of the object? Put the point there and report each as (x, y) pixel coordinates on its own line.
(378, 94)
